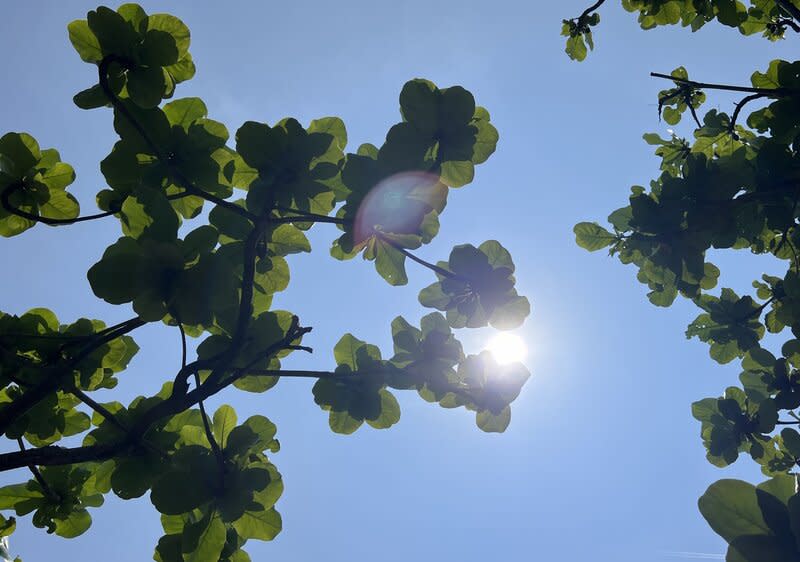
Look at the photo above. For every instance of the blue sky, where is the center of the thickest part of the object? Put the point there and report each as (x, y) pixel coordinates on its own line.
(602, 460)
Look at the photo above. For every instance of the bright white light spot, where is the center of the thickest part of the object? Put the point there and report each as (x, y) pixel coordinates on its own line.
(507, 348)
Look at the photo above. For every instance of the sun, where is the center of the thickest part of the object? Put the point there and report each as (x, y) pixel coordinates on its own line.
(507, 348)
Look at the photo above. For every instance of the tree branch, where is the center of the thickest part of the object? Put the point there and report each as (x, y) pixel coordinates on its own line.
(53, 455)
(591, 9)
(302, 374)
(295, 332)
(788, 22)
(306, 374)
(217, 362)
(790, 8)
(768, 92)
(51, 382)
(310, 217)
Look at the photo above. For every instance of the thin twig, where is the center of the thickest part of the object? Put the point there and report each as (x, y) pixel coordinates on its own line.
(303, 374)
(206, 425)
(310, 217)
(739, 107)
(591, 9)
(5, 201)
(99, 408)
(694, 115)
(48, 491)
(771, 92)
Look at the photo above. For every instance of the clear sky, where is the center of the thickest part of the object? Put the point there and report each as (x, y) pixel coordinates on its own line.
(602, 460)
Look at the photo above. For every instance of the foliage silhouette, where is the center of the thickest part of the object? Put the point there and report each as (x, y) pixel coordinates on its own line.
(732, 186)
(210, 477)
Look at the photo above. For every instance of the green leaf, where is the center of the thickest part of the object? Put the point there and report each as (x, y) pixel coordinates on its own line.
(731, 508)
(480, 289)
(330, 126)
(158, 49)
(174, 27)
(184, 112)
(343, 423)
(263, 524)
(288, 239)
(419, 104)
(390, 264)
(84, 41)
(224, 422)
(591, 236)
(207, 539)
(91, 98)
(75, 524)
(146, 85)
(390, 411)
(189, 485)
(457, 174)
(491, 423)
(576, 48)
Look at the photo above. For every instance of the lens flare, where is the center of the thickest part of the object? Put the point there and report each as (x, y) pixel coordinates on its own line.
(398, 204)
(507, 348)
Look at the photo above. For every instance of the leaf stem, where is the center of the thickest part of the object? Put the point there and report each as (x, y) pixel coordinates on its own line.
(435, 268)
(207, 427)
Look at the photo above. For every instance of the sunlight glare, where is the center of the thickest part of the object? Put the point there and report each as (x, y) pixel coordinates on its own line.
(507, 348)
(399, 204)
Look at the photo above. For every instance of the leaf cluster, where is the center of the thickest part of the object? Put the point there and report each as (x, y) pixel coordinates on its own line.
(206, 226)
(731, 187)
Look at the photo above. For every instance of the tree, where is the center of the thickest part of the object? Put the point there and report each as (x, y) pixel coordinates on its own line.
(731, 186)
(208, 476)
